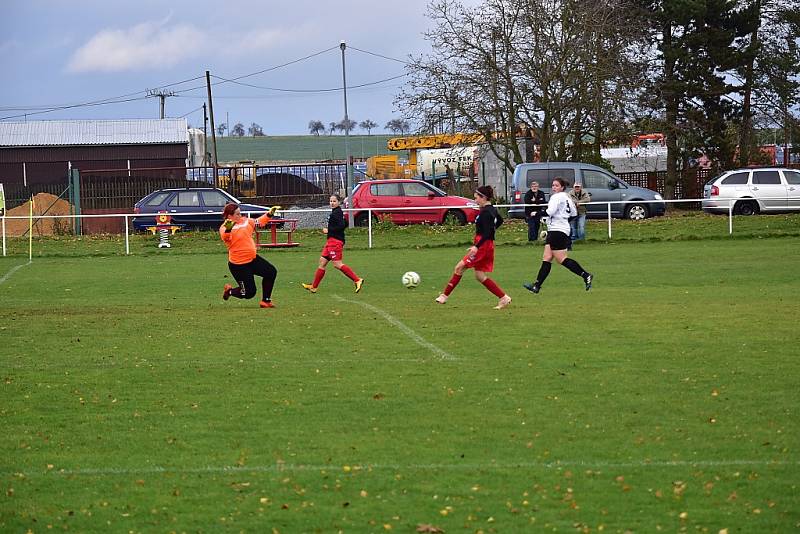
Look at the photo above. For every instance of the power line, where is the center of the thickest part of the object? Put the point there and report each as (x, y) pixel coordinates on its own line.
(39, 110)
(86, 104)
(189, 113)
(378, 55)
(327, 90)
(111, 100)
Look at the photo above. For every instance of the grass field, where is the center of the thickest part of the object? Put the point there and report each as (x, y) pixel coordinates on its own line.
(301, 147)
(135, 399)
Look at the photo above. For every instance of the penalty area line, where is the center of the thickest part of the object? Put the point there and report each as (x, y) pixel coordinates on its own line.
(367, 467)
(403, 328)
(12, 271)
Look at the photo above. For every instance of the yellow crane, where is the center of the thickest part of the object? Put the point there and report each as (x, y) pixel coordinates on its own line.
(389, 166)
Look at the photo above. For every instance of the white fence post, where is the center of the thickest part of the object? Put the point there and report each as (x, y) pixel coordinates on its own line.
(730, 217)
(609, 220)
(127, 240)
(369, 227)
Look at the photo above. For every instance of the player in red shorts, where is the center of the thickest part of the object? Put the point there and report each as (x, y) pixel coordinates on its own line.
(334, 248)
(481, 254)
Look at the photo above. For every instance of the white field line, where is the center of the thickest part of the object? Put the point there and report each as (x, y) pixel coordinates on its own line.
(12, 271)
(406, 330)
(489, 466)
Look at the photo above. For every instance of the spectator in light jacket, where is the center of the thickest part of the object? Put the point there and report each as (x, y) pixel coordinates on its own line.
(578, 224)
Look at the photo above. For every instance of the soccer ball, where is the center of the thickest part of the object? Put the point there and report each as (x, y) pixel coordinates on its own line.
(543, 235)
(410, 279)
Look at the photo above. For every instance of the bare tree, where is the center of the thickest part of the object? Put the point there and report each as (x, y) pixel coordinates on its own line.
(367, 125)
(346, 125)
(512, 66)
(398, 126)
(333, 127)
(222, 128)
(316, 127)
(255, 130)
(238, 130)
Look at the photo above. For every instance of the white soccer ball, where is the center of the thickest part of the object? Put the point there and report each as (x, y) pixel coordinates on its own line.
(543, 235)
(410, 279)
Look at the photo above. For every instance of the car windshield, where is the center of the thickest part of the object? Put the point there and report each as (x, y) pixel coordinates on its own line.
(439, 191)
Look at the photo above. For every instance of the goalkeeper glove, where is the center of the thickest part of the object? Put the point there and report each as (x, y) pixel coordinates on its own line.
(272, 210)
(228, 224)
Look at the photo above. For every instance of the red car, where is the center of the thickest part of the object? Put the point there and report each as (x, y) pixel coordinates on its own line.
(385, 196)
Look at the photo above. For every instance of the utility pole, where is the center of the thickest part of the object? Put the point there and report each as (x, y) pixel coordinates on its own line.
(349, 164)
(213, 130)
(205, 136)
(160, 93)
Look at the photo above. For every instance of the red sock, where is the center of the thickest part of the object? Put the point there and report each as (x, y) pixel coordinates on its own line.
(348, 272)
(451, 285)
(318, 277)
(494, 288)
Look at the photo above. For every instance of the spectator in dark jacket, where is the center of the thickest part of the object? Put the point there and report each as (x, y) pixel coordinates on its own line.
(533, 214)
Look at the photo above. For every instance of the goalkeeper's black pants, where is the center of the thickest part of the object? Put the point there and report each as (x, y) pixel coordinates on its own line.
(245, 276)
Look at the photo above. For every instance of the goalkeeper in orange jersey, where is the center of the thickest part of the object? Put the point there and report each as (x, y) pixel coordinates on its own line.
(243, 261)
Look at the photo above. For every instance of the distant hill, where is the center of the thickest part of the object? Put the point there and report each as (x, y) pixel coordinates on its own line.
(305, 148)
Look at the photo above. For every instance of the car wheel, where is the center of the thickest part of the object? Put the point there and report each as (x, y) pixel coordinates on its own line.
(637, 212)
(361, 219)
(746, 207)
(455, 217)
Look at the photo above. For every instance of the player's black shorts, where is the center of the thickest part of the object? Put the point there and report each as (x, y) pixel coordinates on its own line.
(557, 240)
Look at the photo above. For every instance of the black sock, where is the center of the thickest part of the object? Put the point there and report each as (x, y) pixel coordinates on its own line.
(544, 270)
(575, 267)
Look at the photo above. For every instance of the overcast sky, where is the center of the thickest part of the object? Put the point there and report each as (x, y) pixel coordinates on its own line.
(66, 52)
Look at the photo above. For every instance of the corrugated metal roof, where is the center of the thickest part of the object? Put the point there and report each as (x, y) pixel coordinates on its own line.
(93, 132)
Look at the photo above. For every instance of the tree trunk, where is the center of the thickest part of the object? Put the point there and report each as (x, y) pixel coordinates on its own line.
(746, 132)
(671, 115)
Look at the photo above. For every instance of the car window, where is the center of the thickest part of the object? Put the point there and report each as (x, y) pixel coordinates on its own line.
(595, 179)
(566, 174)
(415, 190)
(737, 178)
(391, 189)
(214, 199)
(157, 199)
(537, 175)
(766, 177)
(185, 199)
(792, 177)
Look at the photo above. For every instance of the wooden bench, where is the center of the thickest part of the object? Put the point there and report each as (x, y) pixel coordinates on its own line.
(272, 230)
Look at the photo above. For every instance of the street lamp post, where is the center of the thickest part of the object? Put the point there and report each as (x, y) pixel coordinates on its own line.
(349, 163)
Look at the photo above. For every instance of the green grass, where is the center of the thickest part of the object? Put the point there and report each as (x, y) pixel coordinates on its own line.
(301, 148)
(135, 399)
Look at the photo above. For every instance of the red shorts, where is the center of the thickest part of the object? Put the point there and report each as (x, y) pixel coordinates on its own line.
(333, 250)
(483, 260)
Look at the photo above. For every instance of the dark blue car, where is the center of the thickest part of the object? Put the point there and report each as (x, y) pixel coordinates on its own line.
(193, 207)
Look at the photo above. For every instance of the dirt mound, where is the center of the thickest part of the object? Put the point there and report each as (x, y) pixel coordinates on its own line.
(43, 204)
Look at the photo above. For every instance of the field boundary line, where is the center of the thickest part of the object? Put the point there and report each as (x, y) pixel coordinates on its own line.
(406, 330)
(490, 466)
(12, 271)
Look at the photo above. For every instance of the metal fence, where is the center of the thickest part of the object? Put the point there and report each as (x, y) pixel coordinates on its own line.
(27, 222)
(287, 185)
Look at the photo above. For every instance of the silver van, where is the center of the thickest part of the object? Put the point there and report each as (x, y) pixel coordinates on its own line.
(631, 202)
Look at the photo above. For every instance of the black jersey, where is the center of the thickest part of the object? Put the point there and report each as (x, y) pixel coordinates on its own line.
(337, 224)
(486, 223)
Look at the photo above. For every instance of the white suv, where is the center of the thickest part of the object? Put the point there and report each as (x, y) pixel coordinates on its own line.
(751, 191)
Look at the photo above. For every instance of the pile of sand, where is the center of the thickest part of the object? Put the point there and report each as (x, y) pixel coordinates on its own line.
(43, 204)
